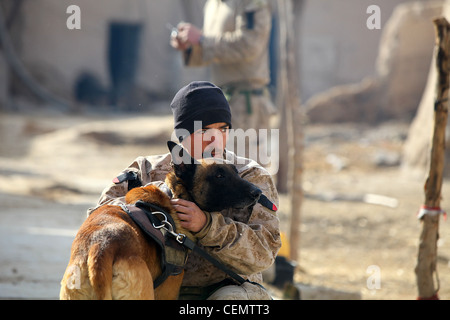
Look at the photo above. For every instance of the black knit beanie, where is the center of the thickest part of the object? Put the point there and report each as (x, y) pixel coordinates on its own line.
(199, 101)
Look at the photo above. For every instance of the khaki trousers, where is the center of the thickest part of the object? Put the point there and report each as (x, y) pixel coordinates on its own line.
(225, 291)
(246, 291)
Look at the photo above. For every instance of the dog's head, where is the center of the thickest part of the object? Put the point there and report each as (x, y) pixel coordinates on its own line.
(213, 184)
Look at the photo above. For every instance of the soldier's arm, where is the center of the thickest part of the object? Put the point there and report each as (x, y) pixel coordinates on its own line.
(249, 247)
(132, 176)
(251, 35)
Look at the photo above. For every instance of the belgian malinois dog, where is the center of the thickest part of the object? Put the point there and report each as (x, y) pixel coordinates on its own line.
(111, 258)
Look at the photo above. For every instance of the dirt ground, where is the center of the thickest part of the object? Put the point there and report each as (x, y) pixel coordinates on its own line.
(54, 166)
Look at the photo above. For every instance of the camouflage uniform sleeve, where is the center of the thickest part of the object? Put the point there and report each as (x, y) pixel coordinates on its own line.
(253, 23)
(114, 194)
(251, 247)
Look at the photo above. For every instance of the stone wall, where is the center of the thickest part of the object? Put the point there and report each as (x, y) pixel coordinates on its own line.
(337, 47)
(403, 61)
(416, 153)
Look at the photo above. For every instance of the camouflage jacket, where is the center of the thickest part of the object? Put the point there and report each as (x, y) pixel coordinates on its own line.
(235, 43)
(246, 248)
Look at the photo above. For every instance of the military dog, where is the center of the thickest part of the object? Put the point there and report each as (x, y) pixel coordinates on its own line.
(111, 258)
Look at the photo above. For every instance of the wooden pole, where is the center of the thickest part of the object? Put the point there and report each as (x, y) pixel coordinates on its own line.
(294, 116)
(427, 257)
(283, 149)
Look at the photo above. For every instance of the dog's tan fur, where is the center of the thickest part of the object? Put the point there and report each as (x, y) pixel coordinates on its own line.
(112, 259)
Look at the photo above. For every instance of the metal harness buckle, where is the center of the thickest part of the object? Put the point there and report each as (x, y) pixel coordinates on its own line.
(167, 226)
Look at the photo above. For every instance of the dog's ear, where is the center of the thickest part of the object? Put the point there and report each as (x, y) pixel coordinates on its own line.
(184, 165)
(171, 145)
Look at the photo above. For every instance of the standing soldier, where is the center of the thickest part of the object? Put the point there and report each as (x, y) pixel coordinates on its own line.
(234, 42)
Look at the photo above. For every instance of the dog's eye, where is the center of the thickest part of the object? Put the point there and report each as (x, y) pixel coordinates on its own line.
(220, 176)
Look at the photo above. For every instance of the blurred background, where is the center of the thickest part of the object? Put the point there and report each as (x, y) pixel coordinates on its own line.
(78, 105)
(84, 65)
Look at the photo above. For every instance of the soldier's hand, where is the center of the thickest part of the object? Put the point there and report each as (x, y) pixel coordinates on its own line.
(191, 216)
(189, 34)
(176, 42)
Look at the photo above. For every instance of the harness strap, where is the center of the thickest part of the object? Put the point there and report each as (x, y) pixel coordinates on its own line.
(191, 245)
(148, 207)
(185, 241)
(135, 214)
(151, 225)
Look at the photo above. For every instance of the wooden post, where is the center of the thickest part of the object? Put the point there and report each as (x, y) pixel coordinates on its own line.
(427, 257)
(294, 117)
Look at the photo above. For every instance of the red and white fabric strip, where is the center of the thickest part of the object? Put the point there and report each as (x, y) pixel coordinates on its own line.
(430, 211)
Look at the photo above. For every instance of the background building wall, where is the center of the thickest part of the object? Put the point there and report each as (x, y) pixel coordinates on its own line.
(336, 46)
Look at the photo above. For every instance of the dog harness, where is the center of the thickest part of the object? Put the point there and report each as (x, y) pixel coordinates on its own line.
(160, 227)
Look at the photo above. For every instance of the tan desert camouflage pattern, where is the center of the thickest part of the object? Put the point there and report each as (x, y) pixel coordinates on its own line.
(236, 53)
(238, 57)
(247, 248)
(246, 291)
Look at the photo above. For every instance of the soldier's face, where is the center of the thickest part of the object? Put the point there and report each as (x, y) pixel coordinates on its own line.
(210, 141)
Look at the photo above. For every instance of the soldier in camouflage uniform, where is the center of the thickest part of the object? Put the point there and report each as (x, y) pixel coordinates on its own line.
(247, 248)
(234, 43)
